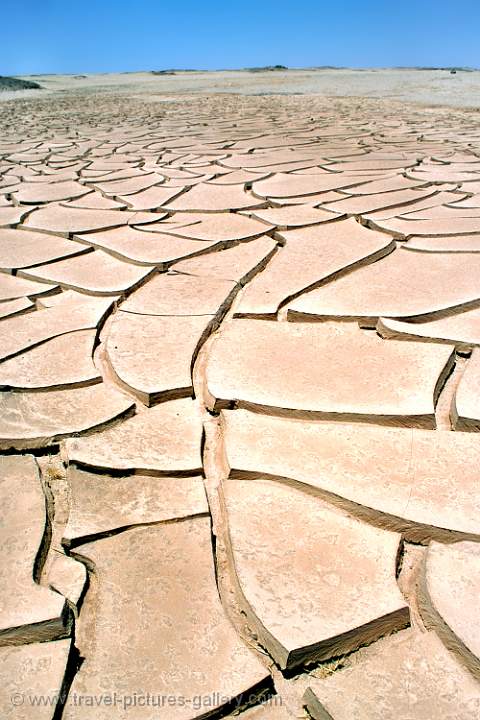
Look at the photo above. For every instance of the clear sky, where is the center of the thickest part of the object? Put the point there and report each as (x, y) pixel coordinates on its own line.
(82, 36)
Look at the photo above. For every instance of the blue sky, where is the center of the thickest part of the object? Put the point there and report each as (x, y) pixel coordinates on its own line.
(72, 36)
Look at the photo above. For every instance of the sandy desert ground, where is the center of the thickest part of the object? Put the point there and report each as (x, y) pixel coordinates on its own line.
(239, 400)
(429, 87)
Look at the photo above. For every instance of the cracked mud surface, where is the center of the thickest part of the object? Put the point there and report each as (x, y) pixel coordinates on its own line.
(239, 409)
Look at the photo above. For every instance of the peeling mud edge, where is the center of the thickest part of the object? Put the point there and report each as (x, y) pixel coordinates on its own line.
(28, 210)
(423, 422)
(302, 226)
(253, 697)
(256, 316)
(44, 548)
(260, 693)
(434, 621)
(213, 326)
(69, 234)
(228, 599)
(443, 378)
(347, 642)
(157, 267)
(400, 236)
(445, 406)
(408, 570)
(45, 389)
(367, 215)
(412, 532)
(440, 314)
(462, 347)
(41, 632)
(127, 471)
(168, 265)
(320, 669)
(198, 211)
(369, 322)
(18, 313)
(149, 399)
(70, 543)
(212, 449)
(285, 198)
(74, 660)
(323, 670)
(36, 344)
(313, 707)
(463, 424)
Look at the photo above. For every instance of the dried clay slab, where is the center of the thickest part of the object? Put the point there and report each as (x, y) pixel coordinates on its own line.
(97, 273)
(349, 562)
(38, 419)
(461, 329)
(409, 675)
(417, 482)
(165, 440)
(465, 410)
(30, 612)
(20, 249)
(34, 670)
(194, 651)
(402, 285)
(101, 503)
(347, 374)
(311, 256)
(63, 361)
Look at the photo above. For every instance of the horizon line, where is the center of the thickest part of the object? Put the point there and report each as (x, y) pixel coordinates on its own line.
(266, 68)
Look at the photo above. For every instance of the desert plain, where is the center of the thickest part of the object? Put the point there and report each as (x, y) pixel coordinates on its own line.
(240, 396)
